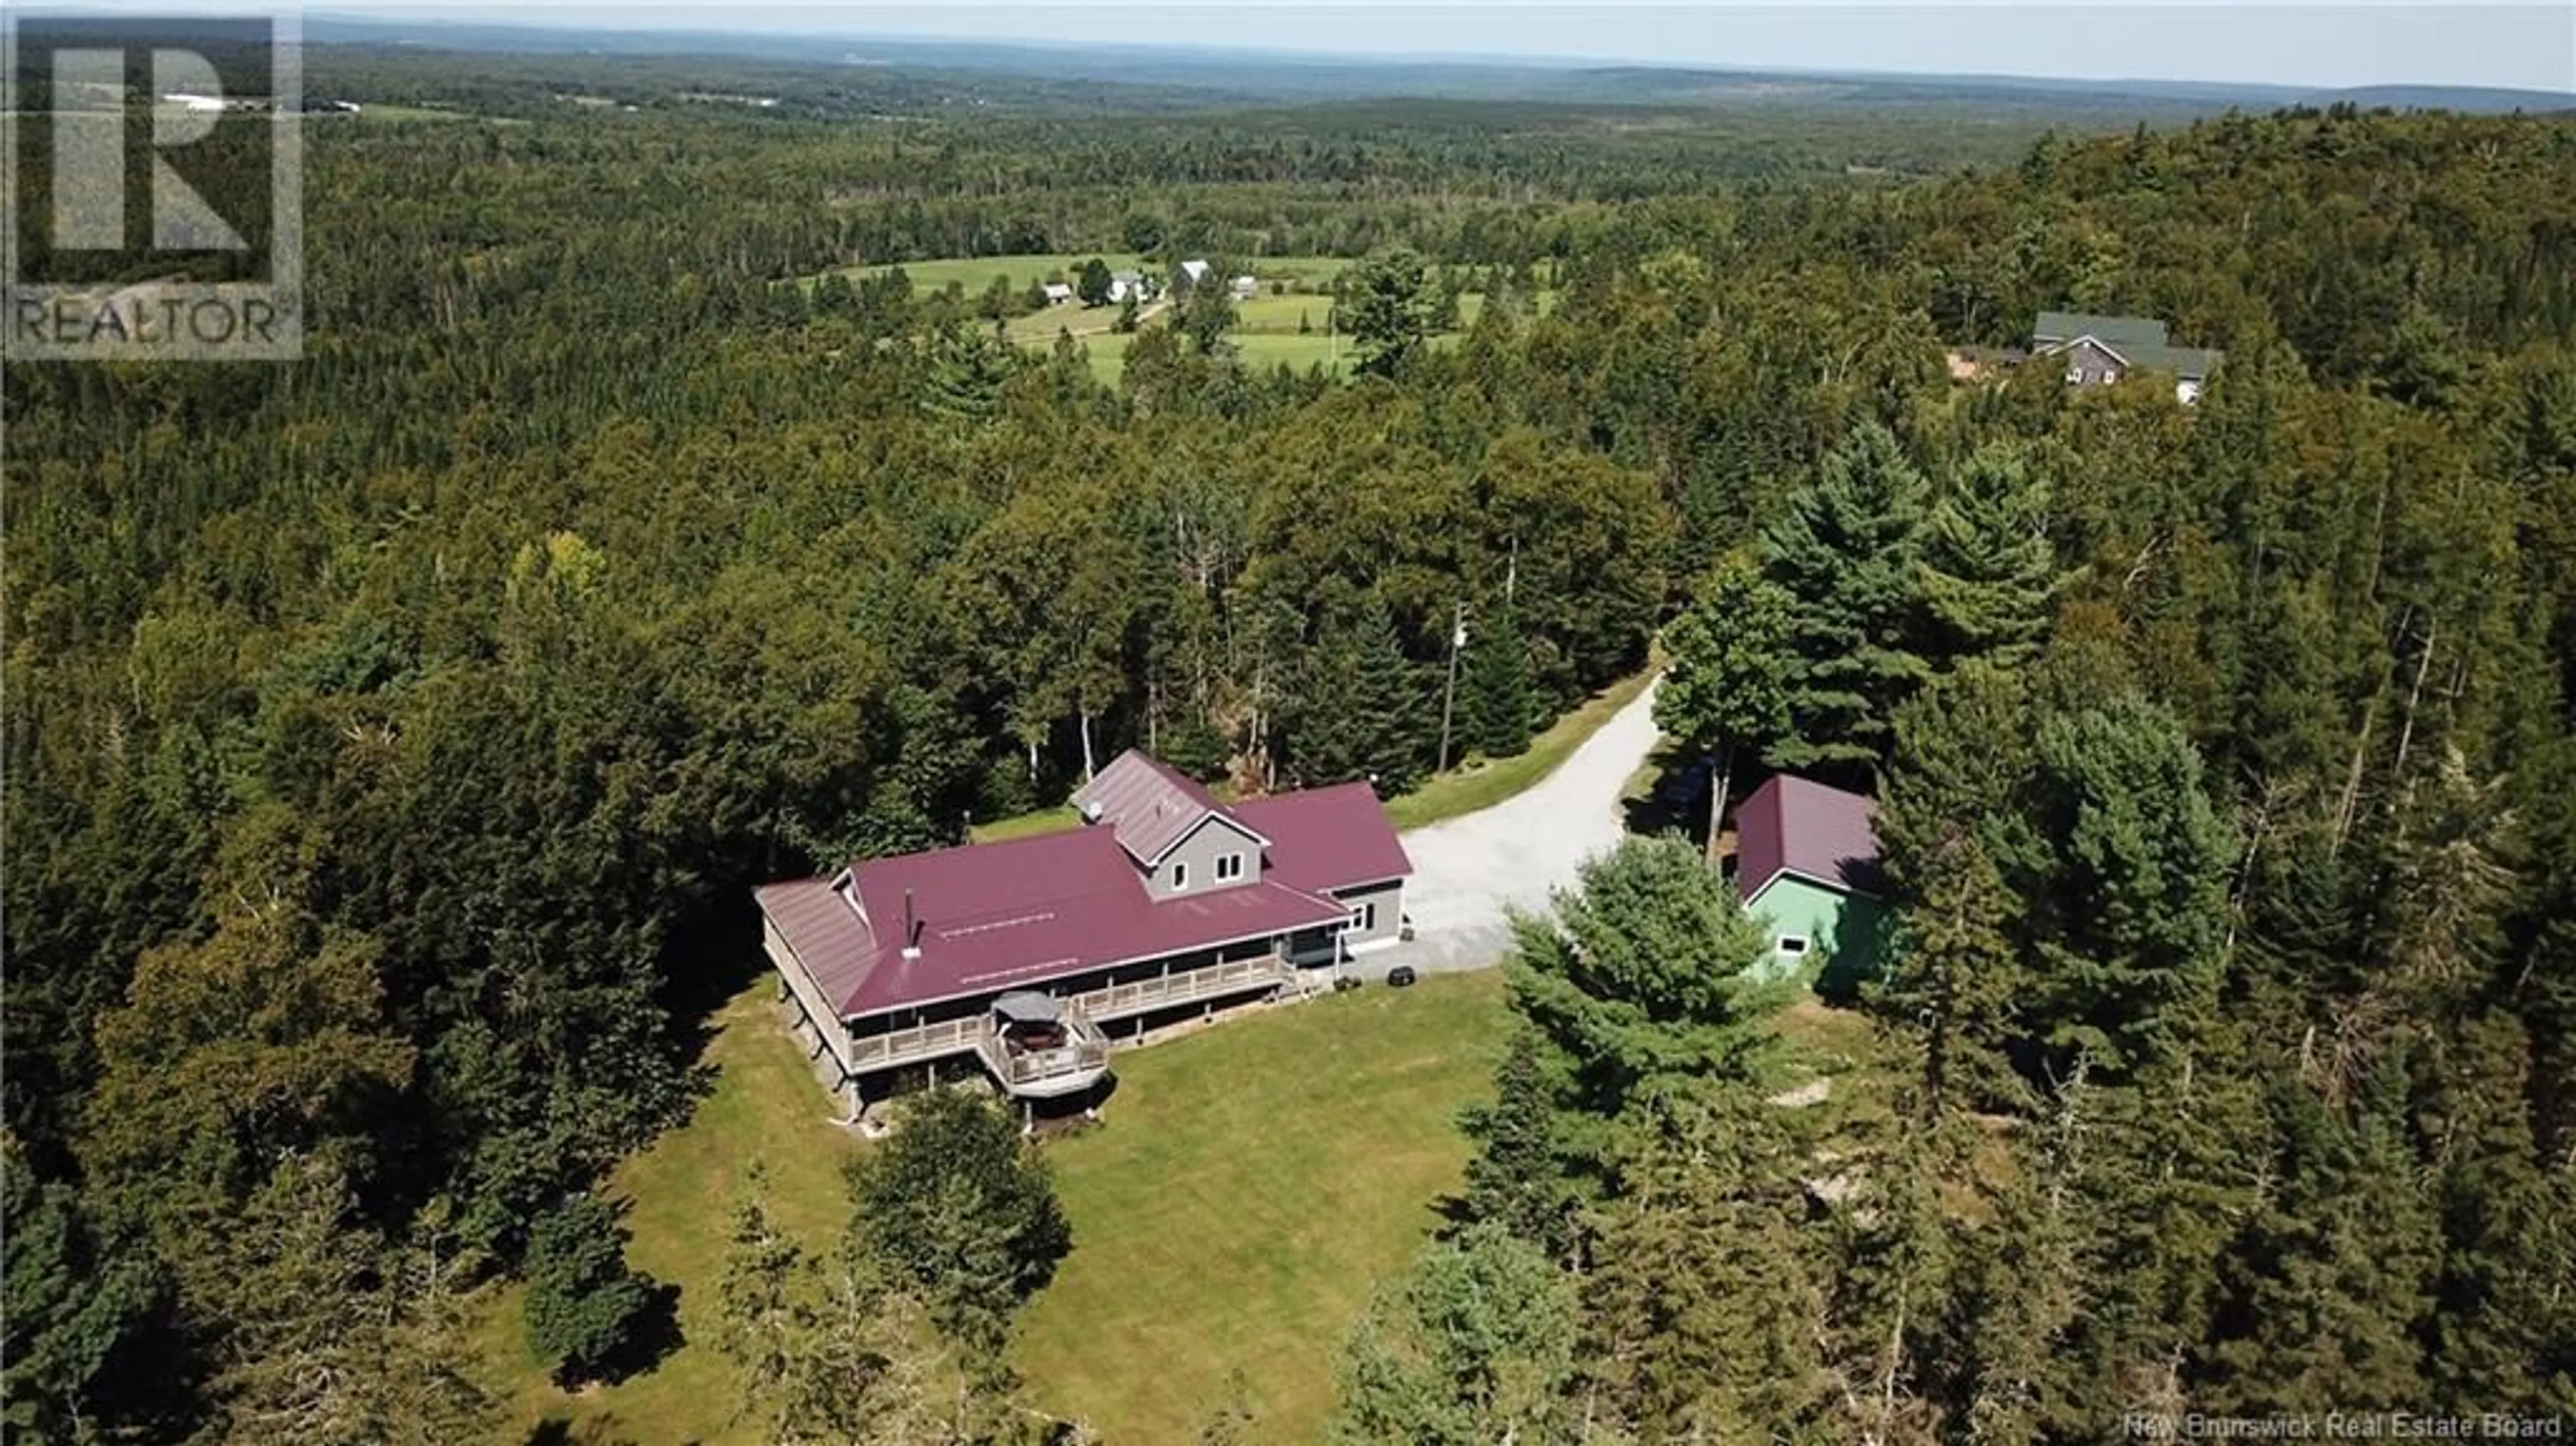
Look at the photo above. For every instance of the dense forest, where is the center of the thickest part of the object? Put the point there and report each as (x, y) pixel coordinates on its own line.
(392, 736)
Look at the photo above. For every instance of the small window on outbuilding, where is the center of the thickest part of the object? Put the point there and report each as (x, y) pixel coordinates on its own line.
(1180, 874)
(1229, 867)
(1792, 945)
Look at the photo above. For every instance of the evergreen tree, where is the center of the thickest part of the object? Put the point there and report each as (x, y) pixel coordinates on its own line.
(1366, 710)
(1953, 845)
(1498, 703)
(957, 1206)
(1955, 977)
(2129, 915)
(823, 1350)
(1514, 1180)
(585, 1306)
(2330, 1281)
(1989, 570)
(1205, 316)
(1702, 1296)
(2021, 1283)
(79, 1294)
(1636, 989)
(1388, 310)
(1474, 1345)
(1891, 1332)
(2503, 1328)
(1847, 547)
(2162, 1166)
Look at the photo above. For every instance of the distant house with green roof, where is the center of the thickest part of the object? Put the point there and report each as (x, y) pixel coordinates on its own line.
(2099, 350)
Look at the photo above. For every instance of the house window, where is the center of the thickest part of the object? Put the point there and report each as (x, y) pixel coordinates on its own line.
(1229, 867)
(1180, 874)
(1364, 918)
(1792, 945)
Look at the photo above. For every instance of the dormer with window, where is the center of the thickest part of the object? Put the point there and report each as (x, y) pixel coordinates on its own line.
(1217, 854)
(1181, 839)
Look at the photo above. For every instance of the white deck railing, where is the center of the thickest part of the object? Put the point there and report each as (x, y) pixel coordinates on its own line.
(1085, 1053)
(922, 1043)
(1189, 986)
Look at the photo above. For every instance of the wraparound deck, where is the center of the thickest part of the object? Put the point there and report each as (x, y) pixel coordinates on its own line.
(920, 1044)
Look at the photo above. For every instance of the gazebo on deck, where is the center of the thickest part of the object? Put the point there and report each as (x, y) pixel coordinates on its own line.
(1041, 1047)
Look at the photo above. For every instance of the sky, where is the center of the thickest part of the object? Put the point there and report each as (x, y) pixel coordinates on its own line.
(2302, 43)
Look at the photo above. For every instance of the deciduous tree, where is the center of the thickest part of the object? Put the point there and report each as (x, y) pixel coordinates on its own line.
(1728, 689)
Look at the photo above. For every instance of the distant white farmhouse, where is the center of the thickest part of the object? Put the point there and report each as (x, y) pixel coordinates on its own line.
(1124, 284)
(1195, 270)
(1057, 293)
(1246, 288)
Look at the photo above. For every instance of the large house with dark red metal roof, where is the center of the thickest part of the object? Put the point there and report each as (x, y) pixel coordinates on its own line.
(1806, 861)
(1023, 956)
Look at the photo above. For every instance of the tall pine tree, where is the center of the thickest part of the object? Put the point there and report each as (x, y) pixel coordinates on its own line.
(1847, 547)
(1989, 571)
(1363, 711)
(1498, 702)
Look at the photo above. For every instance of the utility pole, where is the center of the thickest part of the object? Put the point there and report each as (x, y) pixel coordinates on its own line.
(1449, 695)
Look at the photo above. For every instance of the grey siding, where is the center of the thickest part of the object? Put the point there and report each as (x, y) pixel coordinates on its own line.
(1385, 902)
(2088, 365)
(1199, 853)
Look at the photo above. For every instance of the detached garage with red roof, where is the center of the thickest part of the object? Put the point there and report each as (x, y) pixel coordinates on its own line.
(1024, 955)
(1807, 861)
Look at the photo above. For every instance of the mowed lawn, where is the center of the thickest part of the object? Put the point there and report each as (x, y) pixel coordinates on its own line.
(1250, 1187)
(765, 1110)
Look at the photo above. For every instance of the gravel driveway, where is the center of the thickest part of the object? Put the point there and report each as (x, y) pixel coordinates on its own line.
(1467, 870)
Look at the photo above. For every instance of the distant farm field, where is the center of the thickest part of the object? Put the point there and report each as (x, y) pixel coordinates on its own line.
(1264, 350)
(975, 273)
(1282, 314)
(1288, 321)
